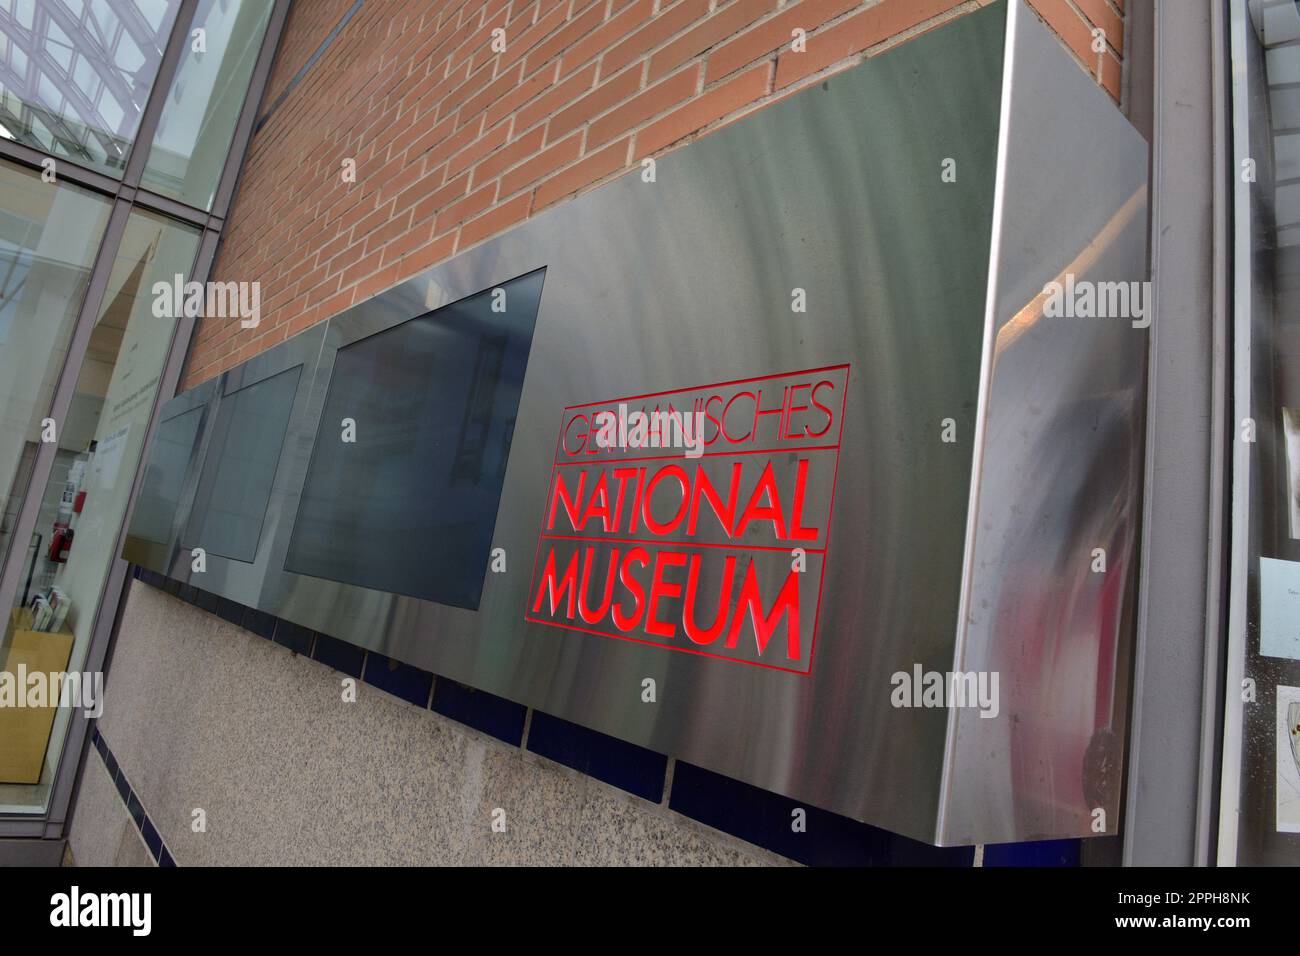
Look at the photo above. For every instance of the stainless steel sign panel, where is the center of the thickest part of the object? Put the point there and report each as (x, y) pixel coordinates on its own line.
(809, 269)
(1052, 541)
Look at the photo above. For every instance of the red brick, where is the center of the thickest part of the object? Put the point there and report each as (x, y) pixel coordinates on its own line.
(607, 95)
(429, 254)
(556, 97)
(718, 27)
(502, 85)
(582, 24)
(470, 206)
(541, 165)
(620, 24)
(668, 22)
(440, 198)
(498, 220)
(699, 112)
(508, 156)
(592, 169)
(1076, 33)
(856, 34)
(678, 87)
(467, 157)
(546, 24)
(533, 86)
(773, 34)
(1100, 14)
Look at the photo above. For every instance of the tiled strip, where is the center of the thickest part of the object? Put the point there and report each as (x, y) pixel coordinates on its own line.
(131, 800)
(757, 816)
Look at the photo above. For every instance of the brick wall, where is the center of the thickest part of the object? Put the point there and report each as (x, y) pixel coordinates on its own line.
(455, 141)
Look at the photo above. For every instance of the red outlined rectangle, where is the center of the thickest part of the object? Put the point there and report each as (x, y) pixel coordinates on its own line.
(697, 554)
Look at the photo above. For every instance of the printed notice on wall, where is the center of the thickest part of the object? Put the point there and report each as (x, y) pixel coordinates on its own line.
(1279, 608)
(1288, 759)
(696, 519)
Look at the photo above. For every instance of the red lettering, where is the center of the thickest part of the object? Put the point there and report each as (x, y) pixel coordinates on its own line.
(750, 603)
(770, 512)
(568, 584)
(622, 620)
(587, 614)
(571, 504)
(693, 631)
(659, 588)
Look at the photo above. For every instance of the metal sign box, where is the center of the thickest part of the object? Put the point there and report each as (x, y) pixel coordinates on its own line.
(893, 575)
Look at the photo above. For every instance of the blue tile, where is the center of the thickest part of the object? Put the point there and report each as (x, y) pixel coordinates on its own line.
(94, 737)
(188, 593)
(767, 819)
(231, 611)
(136, 809)
(629, 767)
(1041, 853)
(501, 718)
(172, 586)
(401, 680)
(259, 622)
(293, 636)
(110, 762)
(151, 838)
(165, 858)
(206, 600)
(123, 788)
(135, 571)
(334, 653)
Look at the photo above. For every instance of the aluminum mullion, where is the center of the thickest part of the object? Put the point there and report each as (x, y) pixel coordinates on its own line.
(158, 94)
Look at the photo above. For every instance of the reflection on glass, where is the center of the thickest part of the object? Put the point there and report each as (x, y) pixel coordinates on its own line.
(1270, 73)
(198, 119)
(164, 476)
(409, 507)
(85, 501)
(49, 235)
(243, 455)
(75, 74)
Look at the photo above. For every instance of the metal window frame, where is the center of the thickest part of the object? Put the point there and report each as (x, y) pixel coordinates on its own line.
(1171, 805)
(126, 195)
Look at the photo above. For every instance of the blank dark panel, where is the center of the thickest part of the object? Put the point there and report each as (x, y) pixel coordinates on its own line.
(173, 446)
(410, 506)
(242, 458)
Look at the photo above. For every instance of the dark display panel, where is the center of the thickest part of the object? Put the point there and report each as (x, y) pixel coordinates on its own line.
(236, 483)
(410, 505)
(164, 476)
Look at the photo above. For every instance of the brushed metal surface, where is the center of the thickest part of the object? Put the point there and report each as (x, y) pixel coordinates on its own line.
(1059, 471)
(689, 280)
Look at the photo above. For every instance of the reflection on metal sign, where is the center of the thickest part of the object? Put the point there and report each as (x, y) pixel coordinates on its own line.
(708, 538)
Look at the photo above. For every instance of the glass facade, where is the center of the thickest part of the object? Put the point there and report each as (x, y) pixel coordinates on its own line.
(198, 120)
(75, 74)
(88, 344)
(49, 235)
(1262, 736)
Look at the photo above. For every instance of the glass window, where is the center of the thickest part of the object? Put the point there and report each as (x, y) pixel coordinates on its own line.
(49, 236)
(85, 501)
(244, 452)
(1266, 69)
(75, 76)
(198, 119)
(410, 505)
(164, 476)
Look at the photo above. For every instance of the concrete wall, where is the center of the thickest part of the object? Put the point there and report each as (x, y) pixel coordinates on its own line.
(202, 714)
